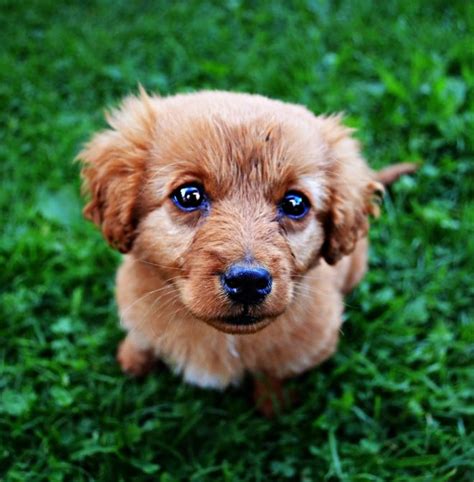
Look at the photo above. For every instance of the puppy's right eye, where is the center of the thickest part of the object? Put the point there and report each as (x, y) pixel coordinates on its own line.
(189, 197)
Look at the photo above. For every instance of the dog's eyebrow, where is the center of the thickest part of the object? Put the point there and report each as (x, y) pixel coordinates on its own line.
(315, 188)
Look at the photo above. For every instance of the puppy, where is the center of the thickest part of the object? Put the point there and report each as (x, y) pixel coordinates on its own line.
(243, 221)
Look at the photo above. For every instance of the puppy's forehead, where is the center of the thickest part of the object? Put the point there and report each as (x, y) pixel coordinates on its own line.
(266, 151)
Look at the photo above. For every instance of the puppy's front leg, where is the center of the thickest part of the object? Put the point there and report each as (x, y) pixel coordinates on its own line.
(134, 360)
(269, 395)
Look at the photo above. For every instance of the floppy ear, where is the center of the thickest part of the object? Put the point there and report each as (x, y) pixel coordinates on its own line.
(353, 191)
(113, 169)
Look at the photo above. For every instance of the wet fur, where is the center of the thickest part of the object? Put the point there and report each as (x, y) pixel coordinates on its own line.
(247, 151)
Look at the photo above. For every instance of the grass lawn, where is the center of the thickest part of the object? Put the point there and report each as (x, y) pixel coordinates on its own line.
(397, 401)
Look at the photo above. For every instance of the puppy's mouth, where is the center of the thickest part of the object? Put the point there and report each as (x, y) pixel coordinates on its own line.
(244, 322)
(240, 325)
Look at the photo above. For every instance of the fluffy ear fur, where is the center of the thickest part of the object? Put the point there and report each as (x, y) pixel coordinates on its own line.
(353, 192)
(113, 169)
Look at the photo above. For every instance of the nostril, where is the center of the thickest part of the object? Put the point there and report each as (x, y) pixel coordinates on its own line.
(261, 283)
(247, 284)
(232, 282)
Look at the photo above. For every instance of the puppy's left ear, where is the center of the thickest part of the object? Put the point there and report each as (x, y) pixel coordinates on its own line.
(114, 163)
(354, 193)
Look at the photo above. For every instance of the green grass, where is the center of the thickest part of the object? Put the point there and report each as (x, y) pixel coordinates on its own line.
(397, 401)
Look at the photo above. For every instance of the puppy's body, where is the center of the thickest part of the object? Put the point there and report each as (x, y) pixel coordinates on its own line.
(281, 200)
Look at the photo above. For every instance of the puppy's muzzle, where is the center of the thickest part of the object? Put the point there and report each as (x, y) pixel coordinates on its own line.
(247, 285)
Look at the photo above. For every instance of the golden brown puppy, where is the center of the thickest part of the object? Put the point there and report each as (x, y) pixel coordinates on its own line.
(244, 223)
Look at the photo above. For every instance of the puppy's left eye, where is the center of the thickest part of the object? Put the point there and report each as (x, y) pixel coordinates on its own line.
(295, 205)
(189, 197)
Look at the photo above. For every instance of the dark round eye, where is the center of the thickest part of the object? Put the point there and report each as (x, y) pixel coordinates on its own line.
(189, 197)
(294, 205)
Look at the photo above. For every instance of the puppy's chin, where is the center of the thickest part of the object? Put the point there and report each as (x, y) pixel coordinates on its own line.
(240, 326)
(243, 324)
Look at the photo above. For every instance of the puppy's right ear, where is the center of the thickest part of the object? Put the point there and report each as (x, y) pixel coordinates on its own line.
(113, 168)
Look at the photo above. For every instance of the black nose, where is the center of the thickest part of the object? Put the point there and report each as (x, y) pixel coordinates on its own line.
(246, 284)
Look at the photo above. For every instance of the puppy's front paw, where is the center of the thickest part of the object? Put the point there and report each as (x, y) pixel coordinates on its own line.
(269, 396)
(134, 361)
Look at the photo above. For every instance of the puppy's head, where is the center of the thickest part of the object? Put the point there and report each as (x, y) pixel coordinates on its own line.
(231, 197)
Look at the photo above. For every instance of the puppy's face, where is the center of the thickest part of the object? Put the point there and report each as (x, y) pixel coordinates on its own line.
(232, 198)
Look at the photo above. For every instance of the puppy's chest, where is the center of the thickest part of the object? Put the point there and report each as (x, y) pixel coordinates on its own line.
(211, 359)
(232, 346)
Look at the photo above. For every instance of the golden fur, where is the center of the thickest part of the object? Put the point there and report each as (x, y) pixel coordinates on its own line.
(247, 151)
